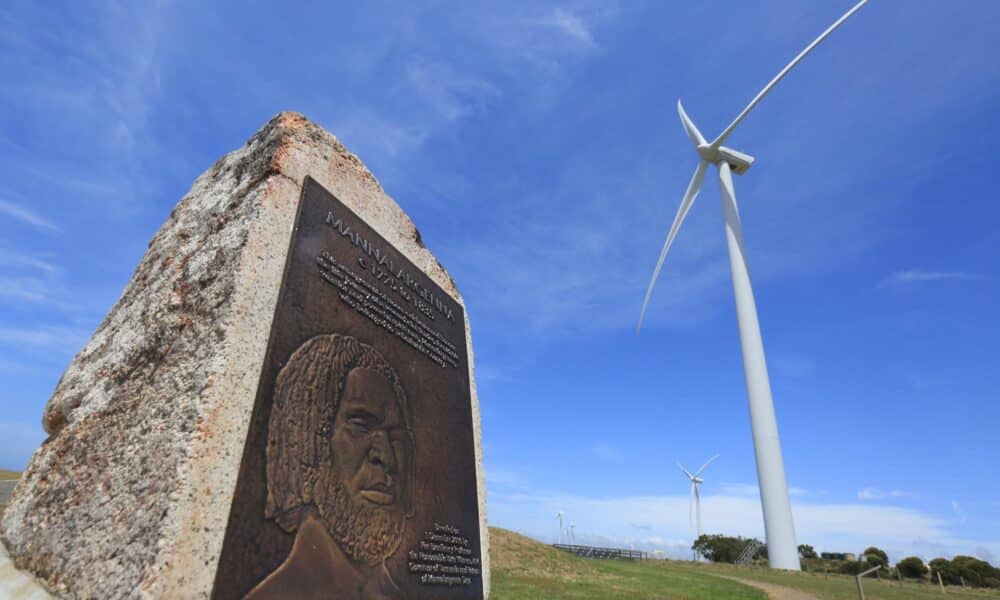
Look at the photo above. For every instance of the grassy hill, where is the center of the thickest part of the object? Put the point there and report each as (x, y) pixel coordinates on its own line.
(844, 587)
(523, 569)
(526, 569)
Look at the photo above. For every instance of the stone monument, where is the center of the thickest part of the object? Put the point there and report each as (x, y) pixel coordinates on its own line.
(281, 404)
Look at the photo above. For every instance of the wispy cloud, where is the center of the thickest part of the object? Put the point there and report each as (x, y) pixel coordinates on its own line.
(546, 38)
(369, 134)
(871, 493)
(568, 24)
(827, 526)
(747, 489)
(450, 94)
(26, 216)
(18, 260)
(20, 440)
(44, 337)
(957, 509)
(917, 276)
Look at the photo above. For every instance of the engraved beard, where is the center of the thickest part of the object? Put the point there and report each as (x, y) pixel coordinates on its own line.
(365, 532)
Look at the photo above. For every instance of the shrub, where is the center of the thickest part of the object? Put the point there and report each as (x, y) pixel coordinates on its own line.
(911, 567)
(719, 548)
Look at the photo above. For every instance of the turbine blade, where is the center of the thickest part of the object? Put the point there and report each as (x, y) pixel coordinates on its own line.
(708, 462)
(685, 471)
(689, 127)
(692, 192)
(781, 74)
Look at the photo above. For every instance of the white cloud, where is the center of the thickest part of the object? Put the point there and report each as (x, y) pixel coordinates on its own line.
(916, 275)
(45, 337)
(450, 94)
(367, 133)
(826, 526)
(16, 260)
(567, 24)
(19, 441)
(26, 216)
(740, 489)
(958, 511)
(871, 493)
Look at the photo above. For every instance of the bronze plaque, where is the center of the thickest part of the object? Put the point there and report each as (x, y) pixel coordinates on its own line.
(358, 477)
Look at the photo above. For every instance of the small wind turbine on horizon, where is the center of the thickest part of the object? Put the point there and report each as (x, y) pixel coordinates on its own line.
(696, 480)
(778, 526)
(559, 515)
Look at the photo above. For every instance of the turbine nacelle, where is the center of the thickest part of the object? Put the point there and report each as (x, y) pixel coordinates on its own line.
(739, 163)
(715, 152)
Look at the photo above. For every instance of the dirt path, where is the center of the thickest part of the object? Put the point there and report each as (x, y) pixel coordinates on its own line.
(774, 591)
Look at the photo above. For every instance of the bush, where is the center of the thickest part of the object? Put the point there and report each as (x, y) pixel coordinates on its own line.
(911, 567)
(719, 548)
(807, 551)
(875, 557)
(850, 567)
(976, 572)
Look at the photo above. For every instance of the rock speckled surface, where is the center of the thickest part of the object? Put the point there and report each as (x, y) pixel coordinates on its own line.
(130, 494)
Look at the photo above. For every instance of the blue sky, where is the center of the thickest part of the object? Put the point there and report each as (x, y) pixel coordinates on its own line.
(537, 148)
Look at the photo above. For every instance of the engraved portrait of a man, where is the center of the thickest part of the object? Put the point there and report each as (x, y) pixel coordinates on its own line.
(339, 471)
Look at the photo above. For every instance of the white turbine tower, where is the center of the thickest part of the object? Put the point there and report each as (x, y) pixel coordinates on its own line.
(559, 515)
(696, 480)
(778, 526)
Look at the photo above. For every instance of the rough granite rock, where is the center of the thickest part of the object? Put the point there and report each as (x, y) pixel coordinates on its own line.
(129, 495)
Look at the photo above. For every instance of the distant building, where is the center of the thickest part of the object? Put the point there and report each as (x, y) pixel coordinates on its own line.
(838, 556)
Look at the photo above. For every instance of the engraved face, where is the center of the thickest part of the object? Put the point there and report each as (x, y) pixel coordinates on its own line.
(369, 442)
(365, 504)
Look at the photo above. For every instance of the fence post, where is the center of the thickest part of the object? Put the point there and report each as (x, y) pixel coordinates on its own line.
(941, 583)
(861, 589)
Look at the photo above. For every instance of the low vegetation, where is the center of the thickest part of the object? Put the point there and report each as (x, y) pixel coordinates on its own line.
(834, 586)
(523, 569)
(526, 569)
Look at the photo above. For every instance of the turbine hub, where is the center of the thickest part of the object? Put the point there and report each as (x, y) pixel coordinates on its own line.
(738, 161)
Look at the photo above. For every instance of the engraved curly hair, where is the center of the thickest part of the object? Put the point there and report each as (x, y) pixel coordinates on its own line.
(306, 397)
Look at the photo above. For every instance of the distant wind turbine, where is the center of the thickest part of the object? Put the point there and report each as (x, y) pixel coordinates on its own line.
(778, 526)
(559, 515)
(572, 532)
(696, 480)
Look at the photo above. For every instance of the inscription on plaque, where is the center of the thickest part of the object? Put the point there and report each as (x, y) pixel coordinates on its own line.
(358, 476)
(444, 557)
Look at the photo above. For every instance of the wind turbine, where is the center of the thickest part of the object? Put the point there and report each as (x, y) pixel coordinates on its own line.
(696, 480)
(559, 515)
(778, 526)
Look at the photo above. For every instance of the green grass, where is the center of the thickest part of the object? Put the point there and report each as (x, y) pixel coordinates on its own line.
(837, 587)
(523, 569)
